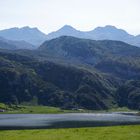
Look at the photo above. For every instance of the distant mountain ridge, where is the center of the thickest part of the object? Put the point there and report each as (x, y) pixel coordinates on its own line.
(100, 33)
(36, 37)
(30, 35)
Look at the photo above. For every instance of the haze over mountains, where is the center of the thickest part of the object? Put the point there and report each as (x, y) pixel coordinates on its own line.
(100, 33)
(15, 45)
(30, 35)
(36, 37)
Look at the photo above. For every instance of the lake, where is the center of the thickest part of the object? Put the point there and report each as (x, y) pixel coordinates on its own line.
(69, 120)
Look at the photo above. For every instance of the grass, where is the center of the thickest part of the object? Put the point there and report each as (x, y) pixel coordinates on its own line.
(30, 109)
(98, 133)
(37, 109)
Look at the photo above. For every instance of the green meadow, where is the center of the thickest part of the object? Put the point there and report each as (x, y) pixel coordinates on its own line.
(131, 132)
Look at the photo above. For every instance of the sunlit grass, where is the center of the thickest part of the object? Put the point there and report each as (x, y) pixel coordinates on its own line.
(99, 133)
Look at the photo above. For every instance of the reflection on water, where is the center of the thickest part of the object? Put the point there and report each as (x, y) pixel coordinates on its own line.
(24, 121)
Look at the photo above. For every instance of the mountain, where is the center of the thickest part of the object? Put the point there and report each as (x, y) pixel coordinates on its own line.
(70, 72)
(36, 37)
(87, 51)
(14, 45)
(6, 45)
(135, 40)
(100, 33)
(115, 58)
(30, 35)
(110, 33)
(66, 30)
(24, 79)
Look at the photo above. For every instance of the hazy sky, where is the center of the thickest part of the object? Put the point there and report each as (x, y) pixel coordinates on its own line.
(49, 15)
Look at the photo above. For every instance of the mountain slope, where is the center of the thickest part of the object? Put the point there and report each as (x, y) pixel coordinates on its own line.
(31, 35)
(87, 51)
(66, 30)
(113, 57)
(72, 73)
(129, 94)
(14, 45)
(5, 45)
(135, 40)
(109, 32)
(23, 79)
(124, 68)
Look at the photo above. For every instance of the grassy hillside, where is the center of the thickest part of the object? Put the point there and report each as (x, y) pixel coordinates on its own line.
(98, 133)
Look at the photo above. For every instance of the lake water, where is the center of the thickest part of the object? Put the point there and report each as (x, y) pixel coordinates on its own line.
(69, 120)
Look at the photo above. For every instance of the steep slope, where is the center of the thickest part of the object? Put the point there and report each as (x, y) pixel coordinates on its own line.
(23, 79)
(31, 35)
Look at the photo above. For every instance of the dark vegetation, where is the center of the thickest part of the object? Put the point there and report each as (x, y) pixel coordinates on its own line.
(68, 72)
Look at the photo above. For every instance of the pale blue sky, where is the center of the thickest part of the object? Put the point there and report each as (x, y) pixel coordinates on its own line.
(49, 15)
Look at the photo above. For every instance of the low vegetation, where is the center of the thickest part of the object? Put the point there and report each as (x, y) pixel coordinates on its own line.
(98, 133)
(17, 109)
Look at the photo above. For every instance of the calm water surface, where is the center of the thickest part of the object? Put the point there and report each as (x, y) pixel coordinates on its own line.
(70, 120)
